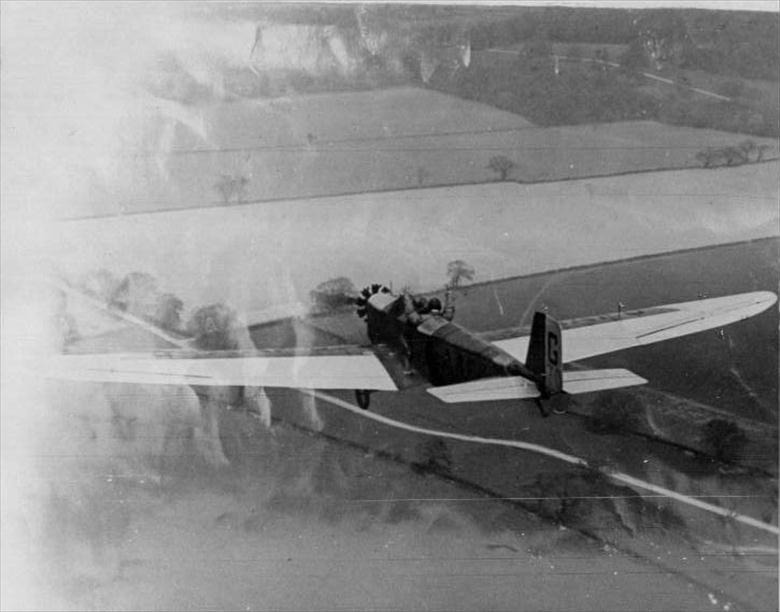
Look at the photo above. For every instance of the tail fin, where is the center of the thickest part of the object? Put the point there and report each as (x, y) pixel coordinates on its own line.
(545, 354)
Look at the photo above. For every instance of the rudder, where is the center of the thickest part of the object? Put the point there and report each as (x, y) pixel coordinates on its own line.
(545, 354)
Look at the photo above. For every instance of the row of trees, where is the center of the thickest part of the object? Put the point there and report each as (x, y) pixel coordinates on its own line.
(214, 326)
(340, 292)
(596, 93)
(735, 43)
(745, 152)
(137, 293)
(554, 23)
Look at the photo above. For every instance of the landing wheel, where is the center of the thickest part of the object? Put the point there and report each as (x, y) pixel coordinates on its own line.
(559, 403)
(363, 398)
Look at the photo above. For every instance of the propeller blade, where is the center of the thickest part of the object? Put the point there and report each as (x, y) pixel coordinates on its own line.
(365, 295)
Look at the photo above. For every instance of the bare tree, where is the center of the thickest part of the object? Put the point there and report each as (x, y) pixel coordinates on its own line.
(502, 165)
(748, 148)
(724, 156)
(136, 294)
(100, 284)
(214, 328)
(231, 188)
(168, 313)
(333, 294)
(457, 270)
(422, 176)
(64, 324)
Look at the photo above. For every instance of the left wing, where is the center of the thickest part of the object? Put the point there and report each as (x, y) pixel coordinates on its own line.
(583, 338)
(346, 367)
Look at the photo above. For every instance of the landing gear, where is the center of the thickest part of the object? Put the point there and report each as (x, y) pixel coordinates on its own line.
(556, 404)
(363, 398)
(542, 408)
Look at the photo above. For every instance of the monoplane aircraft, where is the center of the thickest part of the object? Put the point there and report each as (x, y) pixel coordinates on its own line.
(414, 341)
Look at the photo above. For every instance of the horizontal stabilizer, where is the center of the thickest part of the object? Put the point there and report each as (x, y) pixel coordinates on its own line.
(487, 389)
(519, 388)
(588, 381)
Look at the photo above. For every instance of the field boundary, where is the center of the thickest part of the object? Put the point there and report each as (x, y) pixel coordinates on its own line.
(555, 454)
(647, 75)
(635, 552)
(611, 262)
(307, 198)
(679, 422)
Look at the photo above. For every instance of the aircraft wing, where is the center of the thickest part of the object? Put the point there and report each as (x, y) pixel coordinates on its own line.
(588, 337)
(517, 387)
(342, 367)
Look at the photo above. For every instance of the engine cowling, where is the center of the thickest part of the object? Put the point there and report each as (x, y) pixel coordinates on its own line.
(361, 302)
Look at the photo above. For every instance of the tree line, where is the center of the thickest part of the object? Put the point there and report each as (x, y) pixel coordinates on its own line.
(211, 327)
(736, 43)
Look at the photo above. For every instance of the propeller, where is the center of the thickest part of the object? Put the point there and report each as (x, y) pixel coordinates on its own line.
(362, 300)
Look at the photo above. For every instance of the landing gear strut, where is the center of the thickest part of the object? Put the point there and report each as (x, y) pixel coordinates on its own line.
(545, 412)
(552, 405)
(363, 398)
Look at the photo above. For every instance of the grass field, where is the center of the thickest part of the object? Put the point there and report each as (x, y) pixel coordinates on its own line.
(752, 92)
(587, 92)
(585, 50)
(739, 374)
(328, 144)
(266, 254)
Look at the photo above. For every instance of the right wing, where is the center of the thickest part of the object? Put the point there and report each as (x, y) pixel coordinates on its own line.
(344, 367)
(583, 338)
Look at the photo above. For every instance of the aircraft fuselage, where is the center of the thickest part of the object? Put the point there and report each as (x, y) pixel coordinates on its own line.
(433, 347)
(445, 353)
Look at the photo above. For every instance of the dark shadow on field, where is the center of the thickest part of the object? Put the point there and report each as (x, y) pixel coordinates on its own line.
(120, 529)
(117, 513)
(735, 371)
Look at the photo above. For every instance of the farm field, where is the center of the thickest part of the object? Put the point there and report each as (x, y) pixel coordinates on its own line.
(255, 256)
(748, 389)
(305, 521)
(738, 377)
(763, 89)
(340, 143)
(353, 490)
(152, 200)
(586, 92)
(757, 93)
(752, 92)
(736, 374)
(585, 50)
